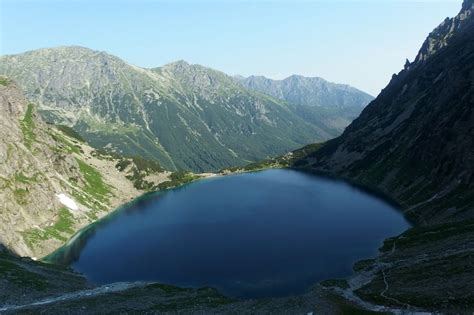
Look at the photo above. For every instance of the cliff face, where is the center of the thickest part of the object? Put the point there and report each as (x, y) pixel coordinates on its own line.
(51, 184)
(415, 141)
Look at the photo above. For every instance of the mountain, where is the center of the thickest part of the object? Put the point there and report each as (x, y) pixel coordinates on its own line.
(184, 116)
(52, 183)
(415, 143)
(339, 104)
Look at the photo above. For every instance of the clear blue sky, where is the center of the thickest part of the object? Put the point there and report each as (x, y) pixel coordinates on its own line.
(361, 43)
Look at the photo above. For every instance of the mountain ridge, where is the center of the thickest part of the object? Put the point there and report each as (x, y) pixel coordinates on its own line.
(185, 116)
(420, 93)
(340, 103)
(415, 144)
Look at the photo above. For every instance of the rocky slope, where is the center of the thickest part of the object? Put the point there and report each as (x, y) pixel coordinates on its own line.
(51, 182)
(185, 116)
(30, 287)
(336, 104)
(415, 143)
(416, 140)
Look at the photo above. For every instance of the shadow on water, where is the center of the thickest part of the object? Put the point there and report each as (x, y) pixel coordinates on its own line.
(71, 251)
(377, 193)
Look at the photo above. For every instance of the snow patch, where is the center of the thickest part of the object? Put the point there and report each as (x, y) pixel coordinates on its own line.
(68, 202)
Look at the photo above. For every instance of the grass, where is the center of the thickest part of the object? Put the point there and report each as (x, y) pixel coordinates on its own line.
(428, 235)
(70, 132)
(22, 178)
(4, 81)
(287, 160)
(151, 299)
(69, 147)
(177, 179)
(15, 274)
(94, 185)
(28, 126)
(21, 196)
(141, 168)
(95, 192)
(63, 225)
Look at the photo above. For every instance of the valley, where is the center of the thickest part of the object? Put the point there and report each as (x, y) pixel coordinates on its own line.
(346, 204)
(184, 116)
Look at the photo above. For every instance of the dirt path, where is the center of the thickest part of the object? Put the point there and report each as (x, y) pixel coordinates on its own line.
(110, 288)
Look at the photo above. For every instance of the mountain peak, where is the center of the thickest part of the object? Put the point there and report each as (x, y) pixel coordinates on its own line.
(183, 64)
(444, 33)
(312, 92)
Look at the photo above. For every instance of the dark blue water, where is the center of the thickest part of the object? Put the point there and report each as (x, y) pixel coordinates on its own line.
(270, 233)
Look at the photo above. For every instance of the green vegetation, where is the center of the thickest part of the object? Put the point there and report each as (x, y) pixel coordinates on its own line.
(335, 283)
(4, 81)
(21, 196)
(305, 151)
(177, 179)
(94, 185)
(413, 284)
(60, 230)
(140, 169)
(20, 276)
(428, 235)
(28, 126)
(186, 128)
(65, 145)
(150, 299)
(70, 132)
(288, 160)
(21, 178)
(94, 193)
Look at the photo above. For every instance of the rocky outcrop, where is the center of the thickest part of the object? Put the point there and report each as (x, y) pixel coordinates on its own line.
(52, 184)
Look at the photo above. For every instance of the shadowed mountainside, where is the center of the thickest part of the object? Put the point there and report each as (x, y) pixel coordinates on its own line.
(415, 143)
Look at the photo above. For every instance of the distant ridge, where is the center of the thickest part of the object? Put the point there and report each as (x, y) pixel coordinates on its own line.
(185, 116)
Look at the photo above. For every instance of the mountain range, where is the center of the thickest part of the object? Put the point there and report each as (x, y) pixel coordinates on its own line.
(414, 144)
(313, 97)
(184, 116)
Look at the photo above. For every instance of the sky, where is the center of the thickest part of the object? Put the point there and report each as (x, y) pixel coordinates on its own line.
(361, 43)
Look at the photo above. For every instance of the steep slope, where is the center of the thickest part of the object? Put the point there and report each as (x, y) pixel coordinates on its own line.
(185, 116)
(416, 140)
(51, 183)
(336, 105)
(415, 143)
(30, 287)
